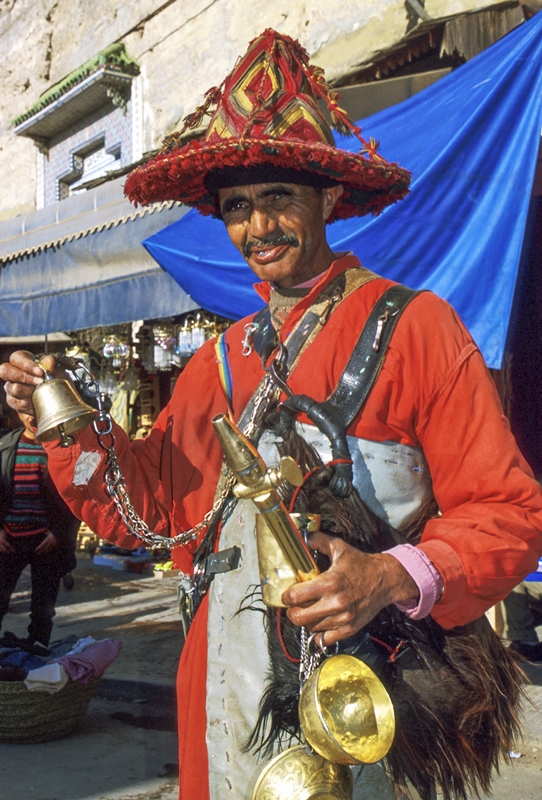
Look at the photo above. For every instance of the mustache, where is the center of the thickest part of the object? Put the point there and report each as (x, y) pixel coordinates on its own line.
(272, 241)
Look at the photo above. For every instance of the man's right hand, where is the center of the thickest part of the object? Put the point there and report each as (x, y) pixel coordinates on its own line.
(5, 545)
(22, 375)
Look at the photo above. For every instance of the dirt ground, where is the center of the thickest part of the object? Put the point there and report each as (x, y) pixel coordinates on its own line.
(138, 609)
(126, 748)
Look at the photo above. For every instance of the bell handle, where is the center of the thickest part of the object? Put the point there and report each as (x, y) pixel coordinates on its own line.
(47, 374)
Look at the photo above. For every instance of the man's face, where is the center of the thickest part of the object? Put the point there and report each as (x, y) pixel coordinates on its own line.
(280, 228)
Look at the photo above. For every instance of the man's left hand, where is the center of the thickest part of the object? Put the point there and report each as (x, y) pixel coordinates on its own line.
(47, 545)
(350, 593)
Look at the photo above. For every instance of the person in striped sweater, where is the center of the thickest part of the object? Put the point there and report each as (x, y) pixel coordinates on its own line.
(33, 518)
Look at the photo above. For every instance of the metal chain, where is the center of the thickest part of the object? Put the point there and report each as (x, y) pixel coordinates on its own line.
(114, 479)
(268, 393)
(309, 661)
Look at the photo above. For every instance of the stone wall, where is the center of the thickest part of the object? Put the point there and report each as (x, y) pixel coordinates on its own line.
(183, 47)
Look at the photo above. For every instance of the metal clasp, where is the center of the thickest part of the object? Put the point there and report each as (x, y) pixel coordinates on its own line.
(381, 322)
(248, 346)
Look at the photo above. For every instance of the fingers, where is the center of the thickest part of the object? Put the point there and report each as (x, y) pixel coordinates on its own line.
(322, 542)
(5, 545)
(22, 369)
(43, 548)
(19, 398)
(48, 362)
(331, 619)
(309, 592)
(22, 375)
(343, 599)
(47, 544)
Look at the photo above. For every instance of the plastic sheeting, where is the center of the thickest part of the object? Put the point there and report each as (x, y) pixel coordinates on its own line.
(471, 142)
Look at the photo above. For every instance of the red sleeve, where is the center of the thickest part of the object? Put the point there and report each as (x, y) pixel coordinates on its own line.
(170, 476)
(489, 534)
(139, 463)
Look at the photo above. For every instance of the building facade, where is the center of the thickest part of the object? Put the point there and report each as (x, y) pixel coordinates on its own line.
(174, 50)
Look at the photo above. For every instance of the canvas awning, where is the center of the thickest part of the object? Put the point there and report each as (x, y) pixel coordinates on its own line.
(79, 263)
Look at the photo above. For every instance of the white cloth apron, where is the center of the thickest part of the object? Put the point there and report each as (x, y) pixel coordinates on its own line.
(394, 481)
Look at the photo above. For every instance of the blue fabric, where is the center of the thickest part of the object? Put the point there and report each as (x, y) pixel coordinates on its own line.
(471, 143)
(102, 278)
(21, 658)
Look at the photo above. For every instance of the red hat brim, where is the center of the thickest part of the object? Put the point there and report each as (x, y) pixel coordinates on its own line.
(369, 186)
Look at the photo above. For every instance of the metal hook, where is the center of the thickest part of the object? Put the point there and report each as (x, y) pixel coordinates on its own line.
(279, 363)
(318, 644)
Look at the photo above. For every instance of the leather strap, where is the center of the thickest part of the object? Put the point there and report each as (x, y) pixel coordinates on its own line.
(307, 328)
(368, 356)
(264, 337)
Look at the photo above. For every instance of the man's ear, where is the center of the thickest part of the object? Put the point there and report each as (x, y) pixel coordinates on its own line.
(330, 195)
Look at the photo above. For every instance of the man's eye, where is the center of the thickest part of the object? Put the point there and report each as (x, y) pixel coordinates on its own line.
(279, 198)
(236, 206)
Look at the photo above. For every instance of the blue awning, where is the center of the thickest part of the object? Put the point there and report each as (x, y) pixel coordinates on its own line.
(79, 264)
(471, 141)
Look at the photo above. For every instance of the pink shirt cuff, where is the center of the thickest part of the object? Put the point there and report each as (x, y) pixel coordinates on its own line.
(425, 575)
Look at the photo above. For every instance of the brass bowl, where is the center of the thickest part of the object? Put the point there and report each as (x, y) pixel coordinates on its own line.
(346, 713)
(298, 774)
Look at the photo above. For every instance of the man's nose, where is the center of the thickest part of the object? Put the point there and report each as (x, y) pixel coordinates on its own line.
(261, 223)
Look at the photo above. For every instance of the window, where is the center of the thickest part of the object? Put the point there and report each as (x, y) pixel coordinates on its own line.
(86, 125)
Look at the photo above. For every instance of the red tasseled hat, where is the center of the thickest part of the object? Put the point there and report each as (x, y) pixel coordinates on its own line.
(267, 114)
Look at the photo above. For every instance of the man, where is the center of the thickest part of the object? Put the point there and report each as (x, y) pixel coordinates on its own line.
(431, 428)
(36, 529)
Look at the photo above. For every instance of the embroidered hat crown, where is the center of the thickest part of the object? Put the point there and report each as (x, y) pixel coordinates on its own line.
(267, 112)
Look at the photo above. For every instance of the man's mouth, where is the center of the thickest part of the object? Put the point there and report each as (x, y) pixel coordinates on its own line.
(271, 250)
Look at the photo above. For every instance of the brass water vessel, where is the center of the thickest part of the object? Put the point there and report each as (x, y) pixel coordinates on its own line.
(257, 483)
(276, 574)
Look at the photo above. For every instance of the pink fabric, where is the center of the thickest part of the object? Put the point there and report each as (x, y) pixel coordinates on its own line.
(311, 282)
(92, 661)
(427, 578)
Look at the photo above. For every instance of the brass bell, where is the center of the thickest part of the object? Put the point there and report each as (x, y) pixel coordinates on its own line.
(59, 410)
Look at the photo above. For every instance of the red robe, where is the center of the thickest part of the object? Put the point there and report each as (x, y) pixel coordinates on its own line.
(434, 392)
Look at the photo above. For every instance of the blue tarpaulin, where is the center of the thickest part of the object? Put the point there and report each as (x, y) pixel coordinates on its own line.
(471, 142)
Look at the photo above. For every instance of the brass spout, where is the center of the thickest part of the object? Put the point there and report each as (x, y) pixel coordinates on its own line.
(241, 456)
(250, 470)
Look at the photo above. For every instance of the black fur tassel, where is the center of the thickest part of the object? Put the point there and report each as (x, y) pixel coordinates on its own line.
(456, 694)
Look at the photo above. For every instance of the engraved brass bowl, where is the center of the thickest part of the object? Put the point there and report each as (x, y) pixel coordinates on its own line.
(346, 713)
(298, 774)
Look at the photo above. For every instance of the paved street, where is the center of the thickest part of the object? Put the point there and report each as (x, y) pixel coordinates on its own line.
(126, 748)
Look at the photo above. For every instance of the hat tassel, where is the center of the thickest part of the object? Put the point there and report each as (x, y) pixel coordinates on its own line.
(339, 117)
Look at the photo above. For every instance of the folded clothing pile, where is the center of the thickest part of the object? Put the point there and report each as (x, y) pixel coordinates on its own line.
(91, 662)
(80, 661)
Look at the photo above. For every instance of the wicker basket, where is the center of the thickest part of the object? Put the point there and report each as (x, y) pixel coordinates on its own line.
(32, 717)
